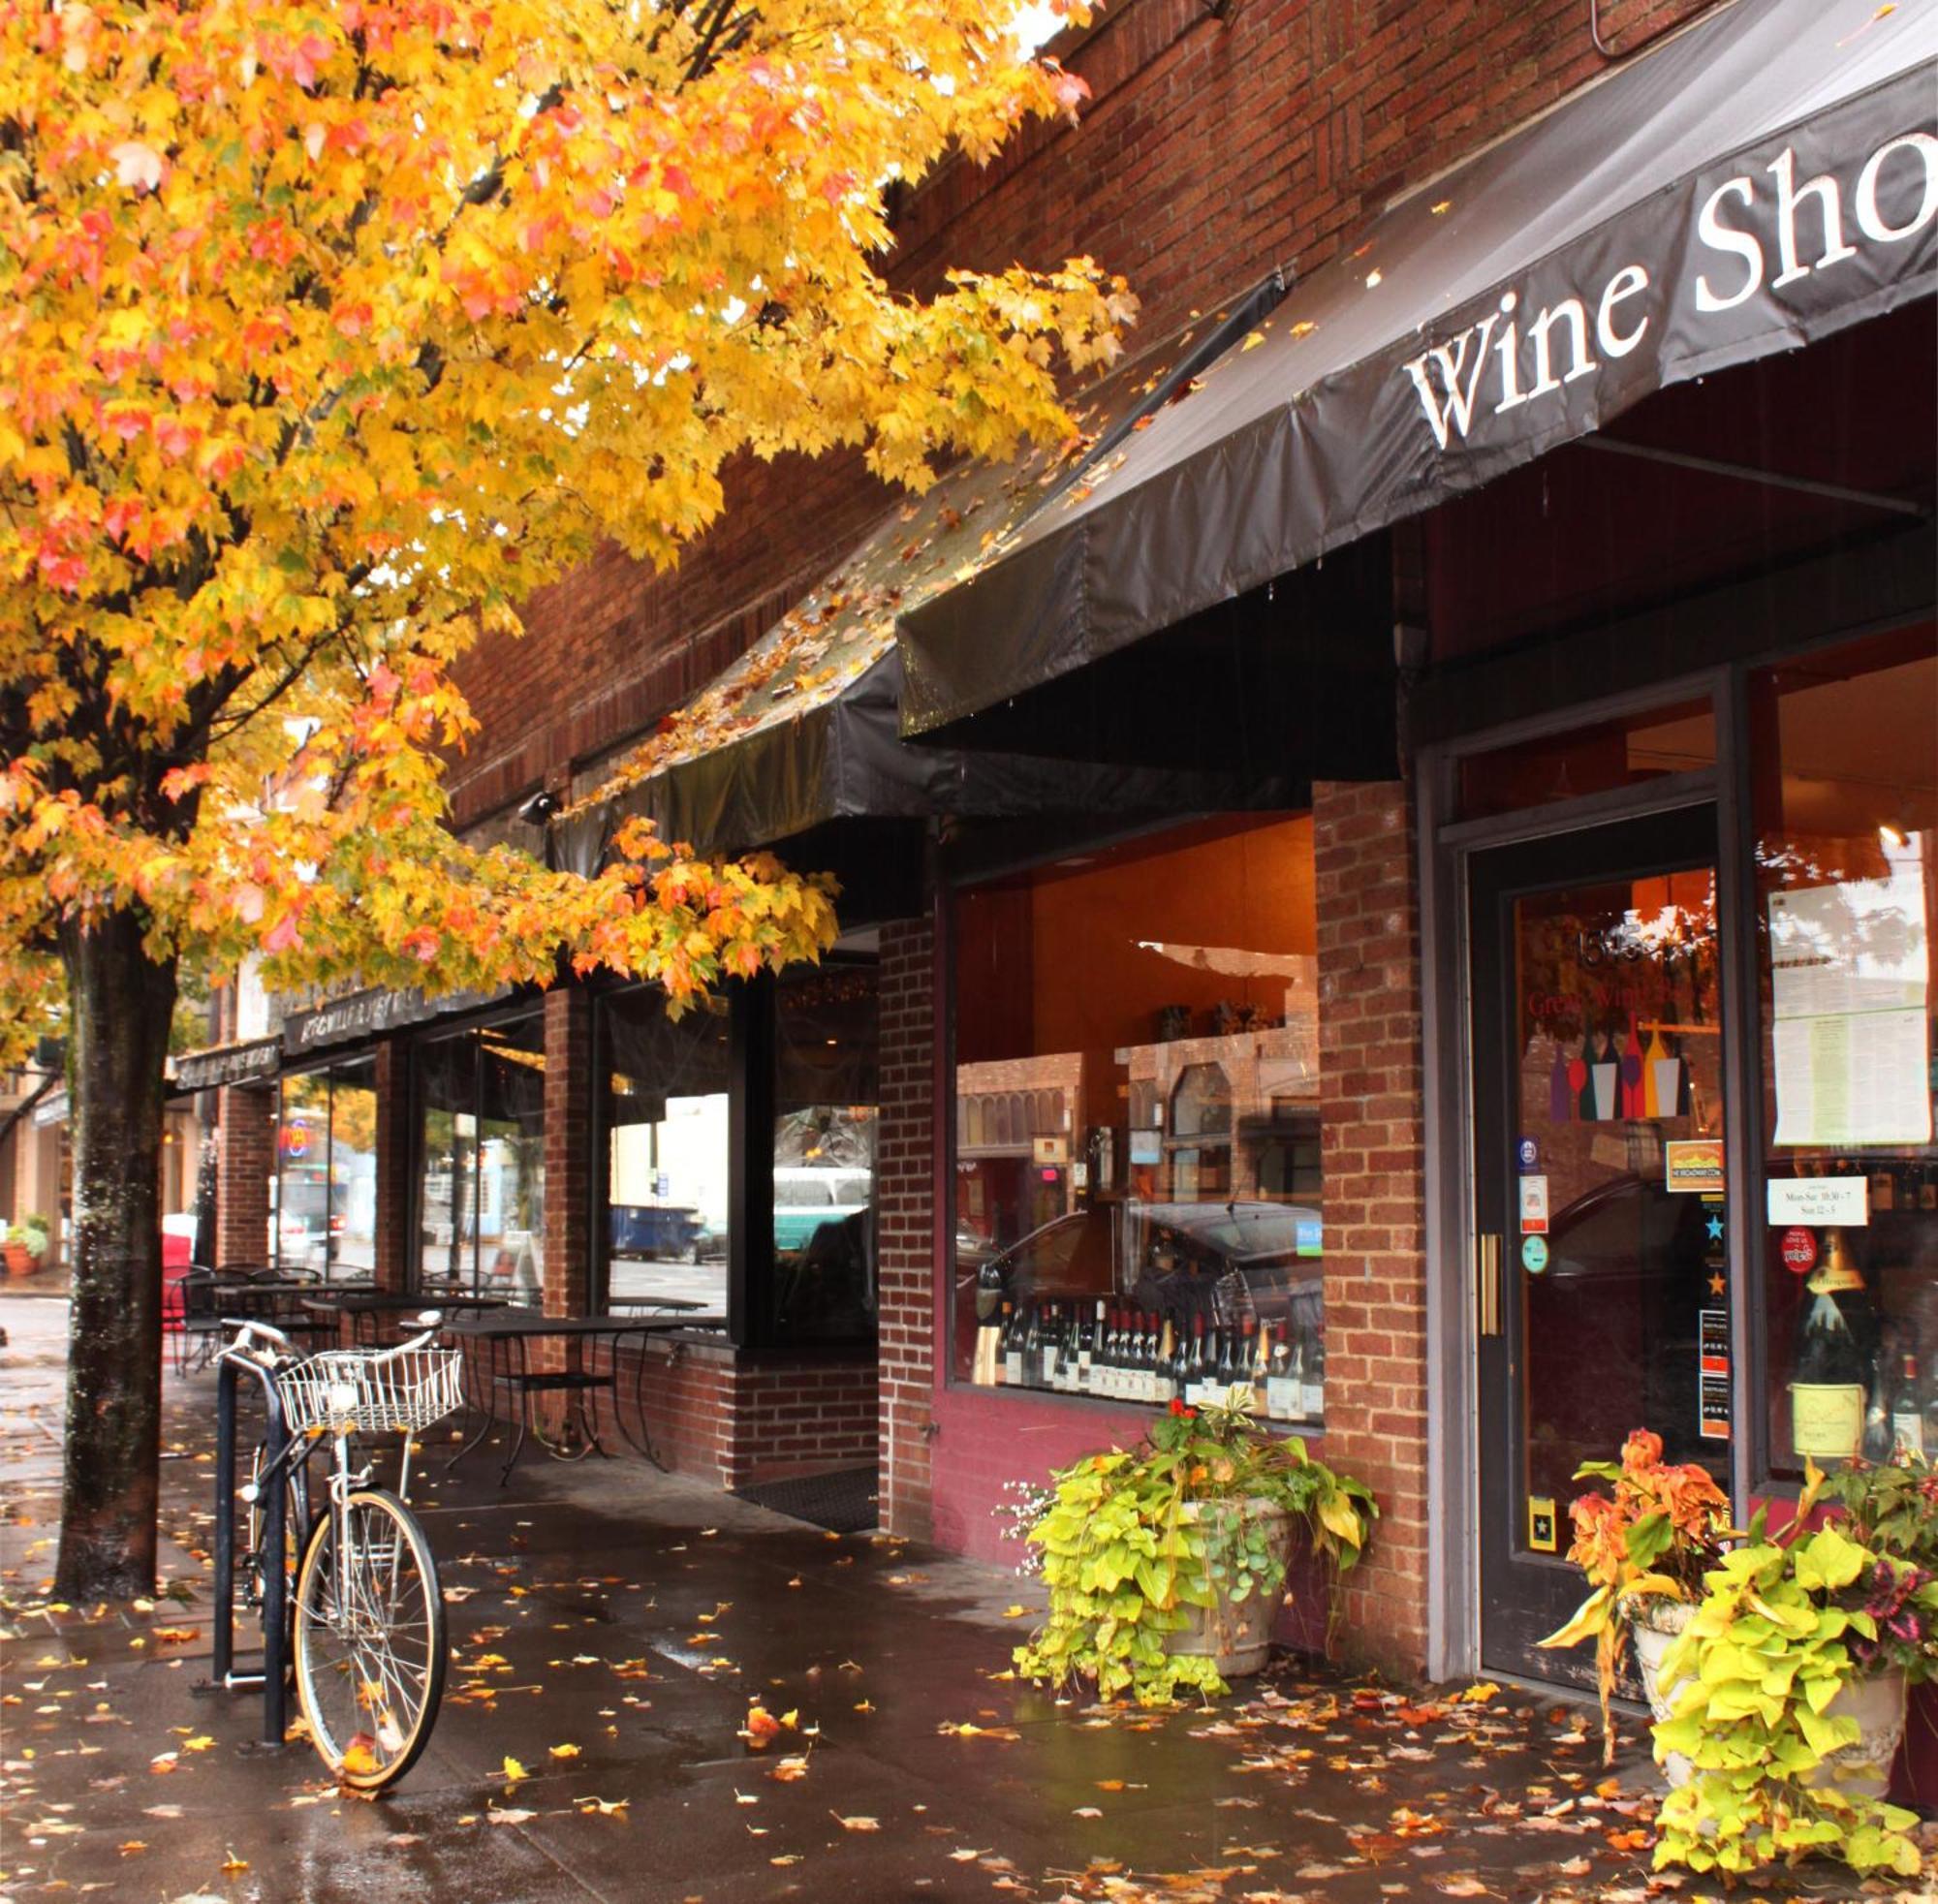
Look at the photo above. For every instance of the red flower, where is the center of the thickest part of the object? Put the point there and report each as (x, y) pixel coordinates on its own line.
(1178, 1408)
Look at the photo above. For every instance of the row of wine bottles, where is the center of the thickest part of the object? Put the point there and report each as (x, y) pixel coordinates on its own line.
(1122, 1354)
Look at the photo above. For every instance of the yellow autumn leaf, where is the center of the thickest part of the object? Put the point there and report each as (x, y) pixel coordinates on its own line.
(563, 1752)
(514, 1771)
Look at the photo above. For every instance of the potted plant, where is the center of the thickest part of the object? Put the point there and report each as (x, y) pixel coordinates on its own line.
(1644, 1546)
(1788, 1694)
(26, 1245)
(1164, 1562)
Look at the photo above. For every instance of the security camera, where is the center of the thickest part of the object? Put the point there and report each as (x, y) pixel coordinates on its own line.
(539, 808)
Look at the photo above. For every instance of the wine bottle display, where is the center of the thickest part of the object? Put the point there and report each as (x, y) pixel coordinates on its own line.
(1829, 1379)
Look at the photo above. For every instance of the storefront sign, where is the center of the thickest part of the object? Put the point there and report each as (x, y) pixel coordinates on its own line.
(1800, 1251)
(228, 1064)
(1821, 1202)
(1766, 225)
(368, 1014)
(1527, 1154)
(50, 1110)
(1693, 1165)
(1051, 1150)
(1714, 1403)
(1534, 1254)
(1533, 1206)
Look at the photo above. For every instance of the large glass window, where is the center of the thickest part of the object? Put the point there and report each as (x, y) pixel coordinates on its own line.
(826, 1070)
(325, 1184)
(666, 1122)
(1135, 1146)
(1844, 755)
(482, 1193)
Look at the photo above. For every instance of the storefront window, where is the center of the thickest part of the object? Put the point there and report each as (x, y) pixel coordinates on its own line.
(325, 1184)
(1844, 748)
(1136, 1147)
(667, 1149)
(481, 1194)
(826, 1070)
(1598, 759)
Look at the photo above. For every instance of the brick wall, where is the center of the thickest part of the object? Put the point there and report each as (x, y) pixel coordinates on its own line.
(1213, 148)
(906, 1232)
(1371, 1084)
(569, 1084)
(396, 1151)
(245, 1161)
(733, 1417)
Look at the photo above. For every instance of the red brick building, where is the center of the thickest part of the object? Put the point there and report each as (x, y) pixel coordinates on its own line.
(1333, 878)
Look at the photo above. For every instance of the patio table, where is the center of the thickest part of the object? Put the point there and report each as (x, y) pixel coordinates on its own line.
(368, 1309)
(506, 1336)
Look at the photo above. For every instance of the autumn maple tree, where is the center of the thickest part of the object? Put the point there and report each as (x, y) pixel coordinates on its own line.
(328, 332)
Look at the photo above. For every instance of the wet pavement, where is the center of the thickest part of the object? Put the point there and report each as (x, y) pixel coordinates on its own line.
(612, 1627)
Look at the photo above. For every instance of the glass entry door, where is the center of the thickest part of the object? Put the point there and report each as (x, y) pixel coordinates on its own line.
(1601, 1272)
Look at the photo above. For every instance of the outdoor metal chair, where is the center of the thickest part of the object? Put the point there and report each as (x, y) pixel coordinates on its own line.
(200, 1330)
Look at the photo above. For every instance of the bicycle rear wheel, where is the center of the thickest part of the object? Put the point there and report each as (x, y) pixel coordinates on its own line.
(370, 1640)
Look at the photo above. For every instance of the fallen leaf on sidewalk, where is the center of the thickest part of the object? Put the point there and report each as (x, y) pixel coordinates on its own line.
(855, 1824)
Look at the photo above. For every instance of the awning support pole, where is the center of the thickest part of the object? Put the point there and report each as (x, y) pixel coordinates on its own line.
(1748, 473)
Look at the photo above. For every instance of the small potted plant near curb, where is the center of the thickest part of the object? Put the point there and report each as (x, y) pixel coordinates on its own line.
(1644, 1547)
(26, 1245)
(1166, 1562)
(1788, 1695)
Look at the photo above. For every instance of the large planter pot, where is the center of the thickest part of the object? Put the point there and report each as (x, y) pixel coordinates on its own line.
(18, 1261)
(1653, 1626)
(1877, 1705)
(1863, 1768)
(1235, 1635)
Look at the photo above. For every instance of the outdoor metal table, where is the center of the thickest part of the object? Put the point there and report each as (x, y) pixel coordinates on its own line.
(278, 1300)
(506, 1335)
(368, 1308)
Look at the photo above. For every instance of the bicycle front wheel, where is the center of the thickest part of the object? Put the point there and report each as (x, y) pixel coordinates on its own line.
(370, 1640)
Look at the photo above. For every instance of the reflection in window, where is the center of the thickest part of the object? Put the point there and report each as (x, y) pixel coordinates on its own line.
(667, 1150)
(1847, 859)
(482, 1193)
(826, 1087)
(1135, 1140)
(326, 1183)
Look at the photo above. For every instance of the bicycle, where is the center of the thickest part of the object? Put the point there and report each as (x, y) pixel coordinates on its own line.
(366, 1618)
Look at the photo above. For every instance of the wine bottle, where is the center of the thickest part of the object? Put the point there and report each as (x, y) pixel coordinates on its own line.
(1166, 1367)
(1013, 1347)
(1281, 1379)
(1907, 1412)
(1254, 1358)
(1194, 1374)
(1312, 1377)
(1087, 1350)
(1033, 1347)
(1110, 1376)
(1828, 1376)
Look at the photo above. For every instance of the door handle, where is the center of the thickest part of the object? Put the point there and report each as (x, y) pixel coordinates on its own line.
(1487, 1270)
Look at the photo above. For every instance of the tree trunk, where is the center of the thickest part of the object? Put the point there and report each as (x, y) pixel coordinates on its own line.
(120, 1003)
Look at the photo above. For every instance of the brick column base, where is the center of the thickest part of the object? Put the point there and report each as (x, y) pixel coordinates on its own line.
(905, 1227)
(245, 1161)
(1371, 1084)
(396, 1267)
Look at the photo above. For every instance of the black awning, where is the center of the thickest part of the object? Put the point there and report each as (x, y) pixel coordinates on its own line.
(1665, 224)
(804, 728)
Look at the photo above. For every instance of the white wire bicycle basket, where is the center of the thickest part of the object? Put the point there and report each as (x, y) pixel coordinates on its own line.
(371, 1391)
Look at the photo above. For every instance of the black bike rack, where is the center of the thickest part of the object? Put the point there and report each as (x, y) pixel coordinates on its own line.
(274, 1675)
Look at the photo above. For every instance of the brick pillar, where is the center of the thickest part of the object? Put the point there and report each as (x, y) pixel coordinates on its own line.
(905, 1225)
(567, 1150)
(1372, 1085)
(396, 1151)
(245, 1161)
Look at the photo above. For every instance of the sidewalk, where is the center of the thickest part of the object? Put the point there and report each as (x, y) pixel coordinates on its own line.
(611, 1626)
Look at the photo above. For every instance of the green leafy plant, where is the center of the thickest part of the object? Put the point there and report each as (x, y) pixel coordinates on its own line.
(1786, 1623)
(1891, 1508)
(1654, 1535)
(1132, 1539)
(30, 1233)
